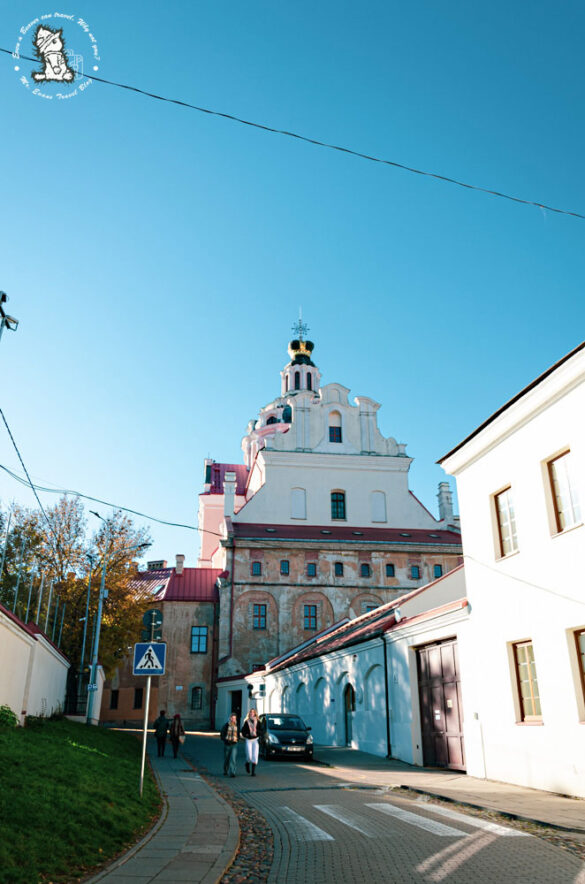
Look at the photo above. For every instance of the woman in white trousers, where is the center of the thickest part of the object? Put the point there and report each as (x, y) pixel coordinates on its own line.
(250, 735)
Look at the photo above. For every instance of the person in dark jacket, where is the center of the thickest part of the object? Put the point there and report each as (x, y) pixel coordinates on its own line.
(161, 726)
(230, 734)
(176, 731)
(250, 735)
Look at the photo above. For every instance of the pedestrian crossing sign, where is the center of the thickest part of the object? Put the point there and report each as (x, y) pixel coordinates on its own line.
(149, 658)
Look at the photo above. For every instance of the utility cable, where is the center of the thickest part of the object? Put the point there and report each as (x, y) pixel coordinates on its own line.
(124, 509)
(318, 143)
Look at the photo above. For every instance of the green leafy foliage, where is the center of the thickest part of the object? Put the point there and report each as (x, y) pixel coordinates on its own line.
(8, 718)
(69, 800)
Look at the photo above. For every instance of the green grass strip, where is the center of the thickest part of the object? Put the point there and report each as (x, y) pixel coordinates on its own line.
(69, 800)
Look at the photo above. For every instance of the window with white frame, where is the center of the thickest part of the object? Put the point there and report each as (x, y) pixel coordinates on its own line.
(528, 693)
(506, 522)
(567, 510)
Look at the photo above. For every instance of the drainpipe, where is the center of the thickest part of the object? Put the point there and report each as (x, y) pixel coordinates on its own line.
(229, 654)
(388, 744)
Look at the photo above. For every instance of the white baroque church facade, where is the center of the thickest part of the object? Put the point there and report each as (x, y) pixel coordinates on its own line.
(318, 524)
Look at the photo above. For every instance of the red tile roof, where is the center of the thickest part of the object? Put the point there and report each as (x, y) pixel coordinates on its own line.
(218, 471)
(193, 585)
(150, 582)
(327, 533)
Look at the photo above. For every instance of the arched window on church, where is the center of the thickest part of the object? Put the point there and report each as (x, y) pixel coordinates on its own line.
(297, 380)
(298, 503)
(338, 504)
(287, 414)
(309, 381)
(272, 420)
(378, 506)
(286, 384)
(335, 427)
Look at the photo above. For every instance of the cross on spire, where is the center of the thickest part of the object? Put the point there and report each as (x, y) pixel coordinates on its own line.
(300, 328)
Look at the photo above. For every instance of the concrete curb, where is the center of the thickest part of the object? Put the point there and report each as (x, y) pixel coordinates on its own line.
(228, 854)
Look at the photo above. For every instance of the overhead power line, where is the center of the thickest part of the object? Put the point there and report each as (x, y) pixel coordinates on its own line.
(115, 506)
(325, 144)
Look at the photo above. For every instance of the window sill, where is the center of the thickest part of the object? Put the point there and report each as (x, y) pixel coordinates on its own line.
(508, 556)
(530, 723)
(567, 530)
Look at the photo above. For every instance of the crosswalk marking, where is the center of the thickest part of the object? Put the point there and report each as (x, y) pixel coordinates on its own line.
(422, 822)
(475, 821)
(353, 820)
(307, 829)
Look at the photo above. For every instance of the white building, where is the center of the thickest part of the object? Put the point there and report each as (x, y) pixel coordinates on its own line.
(521, 487)
(387, 682)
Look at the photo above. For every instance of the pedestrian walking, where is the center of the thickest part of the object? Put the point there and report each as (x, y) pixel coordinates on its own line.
(161, 726)
(230, 734)
(176, 733)
(250, 735)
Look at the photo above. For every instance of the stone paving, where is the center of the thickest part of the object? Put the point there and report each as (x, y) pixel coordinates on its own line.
(293, 823)
(195, 840)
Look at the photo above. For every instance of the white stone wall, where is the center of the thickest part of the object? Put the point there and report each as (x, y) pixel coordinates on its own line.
(33, 674)
(359, 476)
(537, 593)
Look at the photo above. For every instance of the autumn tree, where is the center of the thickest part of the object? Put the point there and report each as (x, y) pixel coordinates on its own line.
(48, 563)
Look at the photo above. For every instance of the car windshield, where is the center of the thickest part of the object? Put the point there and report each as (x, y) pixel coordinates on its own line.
(285, 723)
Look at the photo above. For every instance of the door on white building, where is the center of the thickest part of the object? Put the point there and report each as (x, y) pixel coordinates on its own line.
(439, 689)
(349, 709)
(236, 704)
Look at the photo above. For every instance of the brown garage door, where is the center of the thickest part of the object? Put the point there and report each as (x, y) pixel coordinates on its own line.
(440, 705)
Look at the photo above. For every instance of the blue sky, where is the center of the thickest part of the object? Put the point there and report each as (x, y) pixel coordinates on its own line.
(156, 257)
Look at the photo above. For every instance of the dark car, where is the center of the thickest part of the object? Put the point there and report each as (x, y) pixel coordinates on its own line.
(284, 734)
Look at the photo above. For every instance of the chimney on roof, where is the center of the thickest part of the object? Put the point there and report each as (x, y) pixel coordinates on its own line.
(229, 493)
(445, 503)
(180, 561)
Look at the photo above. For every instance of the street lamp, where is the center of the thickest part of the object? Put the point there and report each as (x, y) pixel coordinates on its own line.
(103, 595)
(96, 642)
(6, 321)
(85, 619)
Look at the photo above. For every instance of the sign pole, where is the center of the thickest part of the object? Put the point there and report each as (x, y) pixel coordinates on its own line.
(144, 735)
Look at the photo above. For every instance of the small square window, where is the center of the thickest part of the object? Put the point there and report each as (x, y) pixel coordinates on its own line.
(256, 569)
(311, 569)
(365, 569)
(335, 434)
(138, 698)
(114, 696)
(415, 572)
(259, 617)
(368, 606)
(285, 567)
(339, 569)
(437, 570)
(390, 570)
(197, 698)
(310, 617)
(199, 639)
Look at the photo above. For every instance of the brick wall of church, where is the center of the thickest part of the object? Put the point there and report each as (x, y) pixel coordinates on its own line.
(274, 611)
